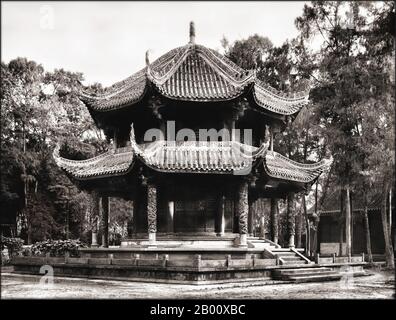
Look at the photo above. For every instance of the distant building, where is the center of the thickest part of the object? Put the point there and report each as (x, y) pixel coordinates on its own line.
(331, 228)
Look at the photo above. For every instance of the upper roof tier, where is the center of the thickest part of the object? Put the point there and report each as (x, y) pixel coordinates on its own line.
(195, 73)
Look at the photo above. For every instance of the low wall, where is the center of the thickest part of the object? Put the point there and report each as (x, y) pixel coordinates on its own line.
(335, 259)
(329, 248)
(157, 270)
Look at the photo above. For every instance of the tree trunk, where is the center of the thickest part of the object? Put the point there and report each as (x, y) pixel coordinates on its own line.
(389, 255)
(299, 228)
(341, 221)
(23, 137)
(390, 213)
(307, 228)
(291, 219)
(316, 222)
(29, 228)
(367, 226)
(348, 231)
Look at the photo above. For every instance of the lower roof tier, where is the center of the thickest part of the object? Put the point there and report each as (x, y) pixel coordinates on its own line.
(232, 158)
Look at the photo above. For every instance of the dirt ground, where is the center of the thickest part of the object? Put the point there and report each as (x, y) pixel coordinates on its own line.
(378, 285)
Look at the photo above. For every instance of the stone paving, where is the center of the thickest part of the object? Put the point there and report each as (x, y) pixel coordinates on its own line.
(378, 285)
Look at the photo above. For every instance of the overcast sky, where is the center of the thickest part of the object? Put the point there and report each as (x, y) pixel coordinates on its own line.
(107, 41)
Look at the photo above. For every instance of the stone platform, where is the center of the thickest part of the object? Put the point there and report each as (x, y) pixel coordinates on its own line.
(188, 262)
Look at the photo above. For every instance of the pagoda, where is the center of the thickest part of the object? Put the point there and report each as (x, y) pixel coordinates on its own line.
(189, 190)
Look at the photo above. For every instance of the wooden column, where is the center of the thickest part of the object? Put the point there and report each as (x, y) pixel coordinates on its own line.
(171, 214)
(243, 210)
(221, 217)
(262, 226)
(105, 221)
(291, 219)
(152, 211)
(274, 220)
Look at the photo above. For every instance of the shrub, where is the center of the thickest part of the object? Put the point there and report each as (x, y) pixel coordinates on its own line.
(13, 245)
(57, 248)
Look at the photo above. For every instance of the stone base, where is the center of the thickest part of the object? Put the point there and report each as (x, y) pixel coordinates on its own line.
(168, 265)
(147, 274)
(172, 240)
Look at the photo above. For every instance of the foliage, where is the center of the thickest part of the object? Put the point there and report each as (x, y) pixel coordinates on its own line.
(13, 245)
(39, 110)
(248, 53)
(57, 248)
(354, 93)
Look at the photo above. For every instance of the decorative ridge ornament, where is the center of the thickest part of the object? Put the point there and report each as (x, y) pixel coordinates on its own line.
(135, 147)
(192, 32)
(147, 58)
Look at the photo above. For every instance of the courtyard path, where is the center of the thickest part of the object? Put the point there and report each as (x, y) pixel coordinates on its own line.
(379, 285)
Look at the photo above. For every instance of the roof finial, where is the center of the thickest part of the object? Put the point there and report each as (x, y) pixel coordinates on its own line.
(147, 58)
(192, 32)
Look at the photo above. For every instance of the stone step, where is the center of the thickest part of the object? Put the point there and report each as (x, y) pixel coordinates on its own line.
(303, 275)
(307, 274)
(281, 254)
(315, 278)
(354, 273)
(286, 250)
(305, 270)
(287, 256)
(293, 262)
(292, 258)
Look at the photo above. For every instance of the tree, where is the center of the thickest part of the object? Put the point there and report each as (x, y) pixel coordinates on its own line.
(352, 80)
(286, 68)
(248, 53)
(39, 110)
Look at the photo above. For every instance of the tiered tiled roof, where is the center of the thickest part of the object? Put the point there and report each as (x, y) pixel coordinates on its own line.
(193, 157)
(197, 156)
(271, 100)
(119, 95)
(195, 73)
(282, 168)
(111, 163)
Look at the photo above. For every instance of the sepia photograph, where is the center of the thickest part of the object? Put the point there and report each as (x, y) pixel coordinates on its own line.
(200, 153)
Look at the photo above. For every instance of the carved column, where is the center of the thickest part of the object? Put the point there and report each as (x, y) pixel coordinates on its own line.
(274, 220)
(291, 219)
(105, 221)
(252, 209)
(152, 211)
(243, 210)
